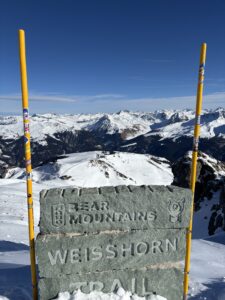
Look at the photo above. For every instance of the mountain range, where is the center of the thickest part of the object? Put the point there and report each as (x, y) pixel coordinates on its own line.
(167, 133)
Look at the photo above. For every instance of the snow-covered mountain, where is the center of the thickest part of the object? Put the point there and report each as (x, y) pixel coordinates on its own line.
(166, 123)
(166, 133)
(94, 169)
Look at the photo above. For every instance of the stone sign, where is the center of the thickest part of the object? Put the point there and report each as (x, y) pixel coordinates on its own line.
(108, 251)
(104, 238)
(166, 282)
(114, 208)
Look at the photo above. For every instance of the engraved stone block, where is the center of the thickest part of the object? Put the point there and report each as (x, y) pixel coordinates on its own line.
(114, 208)
(144, 282)
(62, 255)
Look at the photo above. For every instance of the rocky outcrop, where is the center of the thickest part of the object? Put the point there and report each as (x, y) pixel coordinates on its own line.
(222, 206)
(3, 169)
(210, 179)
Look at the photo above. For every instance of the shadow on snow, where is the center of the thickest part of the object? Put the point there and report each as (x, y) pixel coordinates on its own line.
(6, 246)
(15, 283)
(215, 291)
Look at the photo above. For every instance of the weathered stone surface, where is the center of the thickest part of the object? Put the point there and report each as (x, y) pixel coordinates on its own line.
(104, 238)
(58, 254)
(165, 282)
(108, 208)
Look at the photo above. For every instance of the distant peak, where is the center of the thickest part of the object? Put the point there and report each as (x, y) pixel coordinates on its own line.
(123, 111)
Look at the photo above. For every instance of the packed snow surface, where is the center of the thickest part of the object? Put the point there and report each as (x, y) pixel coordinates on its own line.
(166, 123)
(208, 254)
(120, 295)
(208, 268)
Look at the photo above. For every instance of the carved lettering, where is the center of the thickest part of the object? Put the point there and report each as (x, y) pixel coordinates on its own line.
(75, 255)
(171, 245)
(133, 285)
(145, 291)
(88, 206)
(127, 250)
(142, 248)
(104, 205)
(74, 219)
(111, 250)
(85, 254)
(72, 207)
(156, 246)
(58, 256)
(89, 218)
(94, 206)
(96, 286)
(98, 218)
(97, 251)
(84, 206)
(78, 285)
(151, 216)
(116, 285)
(109, 217)
(141, 216)
(126, 217)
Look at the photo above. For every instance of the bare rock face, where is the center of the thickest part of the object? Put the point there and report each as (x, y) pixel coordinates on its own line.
(3, 168)
(221, 220)
(129, 132)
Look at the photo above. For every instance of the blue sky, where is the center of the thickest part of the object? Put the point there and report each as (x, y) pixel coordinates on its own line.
(107, 55)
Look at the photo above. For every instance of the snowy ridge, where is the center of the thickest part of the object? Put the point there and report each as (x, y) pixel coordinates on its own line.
(166, 123)
(97, 168)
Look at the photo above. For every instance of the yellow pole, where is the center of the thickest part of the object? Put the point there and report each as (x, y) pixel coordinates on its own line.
(194, 164)
(24, 88)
